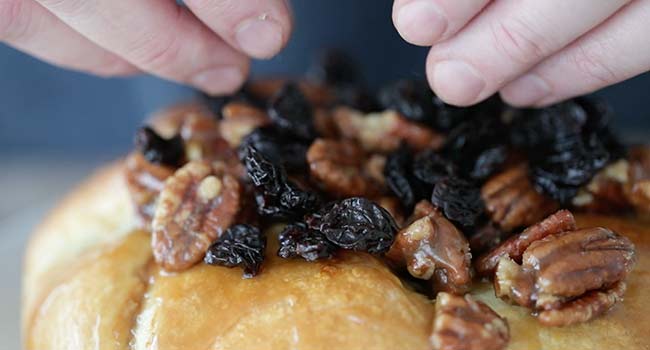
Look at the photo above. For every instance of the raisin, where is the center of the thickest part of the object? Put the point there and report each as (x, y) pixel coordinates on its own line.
(240, 245)
(276, 196)
(412, 99)
(460, 201)
(567, 144)
(448, 116)
(478, 147)
(289, 109)
(355, 224)
(401, 180)
(430, 167)
(279, 147)
(158, 150)
(356, 97)
(335, 68)
(297, 240)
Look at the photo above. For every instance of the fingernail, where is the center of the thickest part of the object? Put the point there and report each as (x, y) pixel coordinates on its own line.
(259, 37)
(421, 22)
(456, 82)
(220, 80)
(526, 91)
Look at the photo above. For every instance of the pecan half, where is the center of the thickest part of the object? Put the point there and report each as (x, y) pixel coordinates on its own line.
(339, 168)
(433, 249)
(605, 193)
(568, 276)
(638, 187)
(385, 131)
(195, 206)
(239, 119)
(145, 181)
(515, 246)
(462, 323)
(512, 202)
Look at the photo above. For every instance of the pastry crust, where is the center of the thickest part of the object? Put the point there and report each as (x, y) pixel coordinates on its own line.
(90, 283)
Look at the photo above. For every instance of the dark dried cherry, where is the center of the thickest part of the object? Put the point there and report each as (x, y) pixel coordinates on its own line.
(240, 245)
(158, 150)
(289, 109)
(279, 146)
(298, 240)
(430, 167)
(400, 179)
(412, 99)
(276, 195)
(477, 146)
(356, 224)
(460, 201)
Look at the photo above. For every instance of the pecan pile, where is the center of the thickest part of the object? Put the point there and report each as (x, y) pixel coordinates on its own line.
(340, 166)
(566, 275)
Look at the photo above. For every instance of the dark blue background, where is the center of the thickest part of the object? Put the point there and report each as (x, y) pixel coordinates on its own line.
(44, 109)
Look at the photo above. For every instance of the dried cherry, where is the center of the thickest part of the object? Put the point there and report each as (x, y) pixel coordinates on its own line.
(460, 201)
(401, 180)
(289, 109)
(279, 146)
(298, 240)
(430, 167)
(356, 224)
(276, 196)
(412, 99)
(240, 245)
(158, 150)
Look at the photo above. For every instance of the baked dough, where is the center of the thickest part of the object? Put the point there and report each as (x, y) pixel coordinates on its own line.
(90, 283)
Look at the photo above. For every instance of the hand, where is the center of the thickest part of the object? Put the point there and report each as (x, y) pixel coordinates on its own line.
(206, 44)
(535, 52)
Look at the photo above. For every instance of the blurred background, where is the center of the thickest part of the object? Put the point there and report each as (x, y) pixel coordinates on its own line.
(57, 125)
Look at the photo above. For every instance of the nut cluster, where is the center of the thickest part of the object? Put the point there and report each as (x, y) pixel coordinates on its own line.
(566, 275)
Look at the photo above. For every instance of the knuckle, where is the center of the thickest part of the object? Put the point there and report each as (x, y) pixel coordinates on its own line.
(157, 54)
(518, 41)
(589, 60)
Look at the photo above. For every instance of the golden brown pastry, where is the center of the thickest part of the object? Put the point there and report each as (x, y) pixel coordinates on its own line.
(90, 283)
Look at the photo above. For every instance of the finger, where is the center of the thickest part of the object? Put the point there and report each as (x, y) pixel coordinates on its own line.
(507, 39)
(425, 22)
(258, 28)
(158, 37)
(613, 52)
(34, 30)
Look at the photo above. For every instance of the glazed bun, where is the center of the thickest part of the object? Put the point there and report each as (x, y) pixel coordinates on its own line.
(90, 282)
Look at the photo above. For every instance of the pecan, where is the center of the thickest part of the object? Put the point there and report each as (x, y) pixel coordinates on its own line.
(512, 202)
(385, 131)
(145, 181)
(605, 193)
(339, 167)
(239, 119)
(433, 249)
(393, 206)
(637, 189)
(589, 306)
(462, 323)
(486, 238)
(568, 276)
(324, 124)
(515, 246)
(195, 207)
(316, 94)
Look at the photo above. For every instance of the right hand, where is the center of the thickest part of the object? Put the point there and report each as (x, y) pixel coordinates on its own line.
(206, 44)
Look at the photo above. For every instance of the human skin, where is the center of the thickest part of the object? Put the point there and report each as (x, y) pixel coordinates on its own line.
(533, 52)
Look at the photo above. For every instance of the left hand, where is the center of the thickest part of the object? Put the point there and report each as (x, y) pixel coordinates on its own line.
(535, 52)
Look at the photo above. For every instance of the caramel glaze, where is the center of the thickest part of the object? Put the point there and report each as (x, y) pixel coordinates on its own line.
(98, 292)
